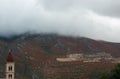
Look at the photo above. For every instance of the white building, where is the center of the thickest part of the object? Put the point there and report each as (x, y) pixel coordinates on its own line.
(10, 67)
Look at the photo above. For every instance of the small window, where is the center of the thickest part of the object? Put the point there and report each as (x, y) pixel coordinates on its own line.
(10, 68)
(10, 76)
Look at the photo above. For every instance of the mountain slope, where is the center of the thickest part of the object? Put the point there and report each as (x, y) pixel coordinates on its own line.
(32, 52)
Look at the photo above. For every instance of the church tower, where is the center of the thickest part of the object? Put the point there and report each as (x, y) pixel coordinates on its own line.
(10, 71)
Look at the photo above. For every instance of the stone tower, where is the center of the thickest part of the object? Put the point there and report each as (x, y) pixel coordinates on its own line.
(10, 71)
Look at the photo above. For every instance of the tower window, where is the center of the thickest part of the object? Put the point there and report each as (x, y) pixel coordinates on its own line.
(10, 76)
(10, 68)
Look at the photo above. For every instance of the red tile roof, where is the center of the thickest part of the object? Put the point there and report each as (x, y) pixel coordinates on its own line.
(10, 57)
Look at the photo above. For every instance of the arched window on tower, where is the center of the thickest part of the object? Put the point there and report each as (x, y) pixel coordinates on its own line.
(10, 68)
(10, 76)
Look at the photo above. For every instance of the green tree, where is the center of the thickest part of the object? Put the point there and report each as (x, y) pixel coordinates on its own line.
(105, 75)
(114, 74)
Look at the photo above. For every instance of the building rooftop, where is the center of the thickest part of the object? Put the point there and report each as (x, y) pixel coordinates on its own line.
(10, 57)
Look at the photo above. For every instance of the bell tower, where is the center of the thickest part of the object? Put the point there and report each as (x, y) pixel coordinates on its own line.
(10, 64)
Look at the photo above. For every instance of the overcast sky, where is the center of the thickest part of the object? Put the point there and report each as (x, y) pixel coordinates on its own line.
(97, 19)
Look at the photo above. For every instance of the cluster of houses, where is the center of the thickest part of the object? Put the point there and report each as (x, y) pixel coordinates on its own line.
(93, 57)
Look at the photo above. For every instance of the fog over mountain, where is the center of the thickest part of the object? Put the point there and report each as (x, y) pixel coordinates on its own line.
(97, 19)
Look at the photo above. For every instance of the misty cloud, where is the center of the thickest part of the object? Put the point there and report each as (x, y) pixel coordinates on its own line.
(103, 7)
(98, 19)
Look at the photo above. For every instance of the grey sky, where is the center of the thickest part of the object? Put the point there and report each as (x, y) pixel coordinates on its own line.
(97, 19)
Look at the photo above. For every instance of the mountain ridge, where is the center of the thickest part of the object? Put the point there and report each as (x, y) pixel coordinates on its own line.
(70, 44)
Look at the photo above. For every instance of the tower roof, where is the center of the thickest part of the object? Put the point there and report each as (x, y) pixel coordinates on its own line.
(10, 57)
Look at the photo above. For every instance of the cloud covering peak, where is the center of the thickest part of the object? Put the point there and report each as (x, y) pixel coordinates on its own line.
(98, 19)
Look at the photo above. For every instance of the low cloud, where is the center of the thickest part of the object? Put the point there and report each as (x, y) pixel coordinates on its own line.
(89, 18)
